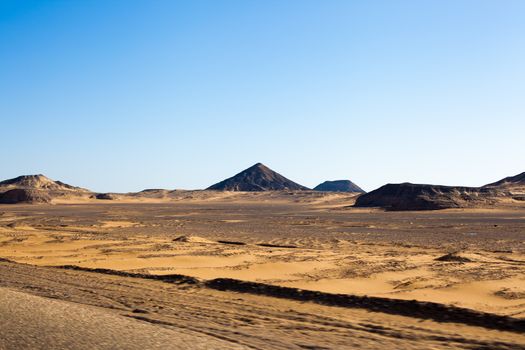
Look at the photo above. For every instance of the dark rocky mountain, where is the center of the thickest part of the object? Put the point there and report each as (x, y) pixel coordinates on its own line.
(407, 196)
(339, 186)
(257, 178)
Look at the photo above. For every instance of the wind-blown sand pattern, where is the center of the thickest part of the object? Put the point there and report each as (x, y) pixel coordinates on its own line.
(467, 258)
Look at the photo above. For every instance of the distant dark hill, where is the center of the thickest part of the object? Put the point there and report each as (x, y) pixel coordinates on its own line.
(407, 196)
(257, 178)
(511, 181)
(339, 186)
(36, 189)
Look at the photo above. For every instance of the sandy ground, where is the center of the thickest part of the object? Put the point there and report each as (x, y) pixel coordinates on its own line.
(315, 243)
(239, 319)
(55, 324)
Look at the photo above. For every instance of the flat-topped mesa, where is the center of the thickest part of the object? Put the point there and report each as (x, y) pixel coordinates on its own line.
(257, 178)
(339, 186)
(407, 196)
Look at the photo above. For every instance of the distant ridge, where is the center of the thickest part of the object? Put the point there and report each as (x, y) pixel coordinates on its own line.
(517, 180)
(257, 178)
(339, 186)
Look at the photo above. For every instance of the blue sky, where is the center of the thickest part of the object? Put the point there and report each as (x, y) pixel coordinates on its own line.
(126, 95)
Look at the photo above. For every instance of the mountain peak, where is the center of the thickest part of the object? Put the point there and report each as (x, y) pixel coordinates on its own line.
(258, 177)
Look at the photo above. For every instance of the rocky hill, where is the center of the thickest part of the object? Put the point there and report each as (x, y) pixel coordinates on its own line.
(257, 178)
(36, 189)
(339, 186)
(407, 196)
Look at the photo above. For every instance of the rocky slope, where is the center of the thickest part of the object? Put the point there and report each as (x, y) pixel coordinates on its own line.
(514, 184)
(257, 178)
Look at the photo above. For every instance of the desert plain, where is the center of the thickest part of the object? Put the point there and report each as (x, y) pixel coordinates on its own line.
(203, 264)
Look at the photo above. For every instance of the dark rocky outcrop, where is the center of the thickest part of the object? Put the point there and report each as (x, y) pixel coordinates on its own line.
(407, 196)
(257, 178)
(339, 186)
(453, 257)
(20, 195)
(104, 196)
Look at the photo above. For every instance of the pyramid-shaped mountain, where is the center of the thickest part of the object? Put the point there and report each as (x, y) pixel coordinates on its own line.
(339, 186)
(257, 178)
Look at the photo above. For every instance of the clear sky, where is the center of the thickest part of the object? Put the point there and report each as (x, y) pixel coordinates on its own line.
(126, 95)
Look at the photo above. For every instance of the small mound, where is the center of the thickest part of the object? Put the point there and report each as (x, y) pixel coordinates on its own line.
(20, 195)
(511, 293)
(453, 257)
(192, 239)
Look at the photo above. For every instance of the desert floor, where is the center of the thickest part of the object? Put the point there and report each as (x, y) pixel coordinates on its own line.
(472, 259)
